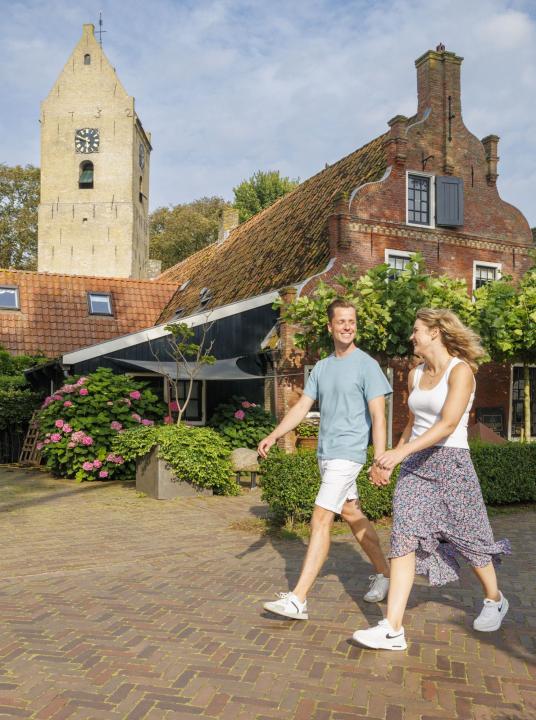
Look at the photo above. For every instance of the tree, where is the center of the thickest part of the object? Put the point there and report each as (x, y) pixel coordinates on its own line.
(19, 199)
(385, 303)
(260, 191)
(506, 320)
(188, 358)
(178, 231)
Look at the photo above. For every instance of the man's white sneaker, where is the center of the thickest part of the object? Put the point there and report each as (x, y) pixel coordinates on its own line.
(288, 606)
(379, 587)
(381, 637)
(491, 615)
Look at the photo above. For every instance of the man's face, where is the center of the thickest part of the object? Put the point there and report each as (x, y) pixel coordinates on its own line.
(343, 326)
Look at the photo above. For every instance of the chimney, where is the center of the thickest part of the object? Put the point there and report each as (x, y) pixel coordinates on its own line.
(228, 222)
(396, 143)
(490, 143)
(438, 78)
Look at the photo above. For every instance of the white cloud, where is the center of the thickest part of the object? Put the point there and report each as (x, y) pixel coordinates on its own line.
(230, 86)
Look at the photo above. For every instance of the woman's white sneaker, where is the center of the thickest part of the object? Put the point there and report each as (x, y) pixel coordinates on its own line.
(288, 606)
(491, 615)
(381, 637)
(378, 589)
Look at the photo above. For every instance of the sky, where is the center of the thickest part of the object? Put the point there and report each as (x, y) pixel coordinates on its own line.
(228, 87)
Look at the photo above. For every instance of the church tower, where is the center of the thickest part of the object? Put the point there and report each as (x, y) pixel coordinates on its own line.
(93, 215)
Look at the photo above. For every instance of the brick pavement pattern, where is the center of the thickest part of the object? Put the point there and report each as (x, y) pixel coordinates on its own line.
(119, 606)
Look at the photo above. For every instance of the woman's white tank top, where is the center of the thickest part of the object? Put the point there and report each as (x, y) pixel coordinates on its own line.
(426, 406)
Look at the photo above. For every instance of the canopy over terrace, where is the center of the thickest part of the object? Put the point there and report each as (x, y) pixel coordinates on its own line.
(226, 369)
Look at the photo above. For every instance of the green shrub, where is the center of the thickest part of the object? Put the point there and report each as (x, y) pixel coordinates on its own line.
(507, 473)
(242, 424)
(198, 455)
(307, 429)
(17, 399)
(290, 484)
(80, 420)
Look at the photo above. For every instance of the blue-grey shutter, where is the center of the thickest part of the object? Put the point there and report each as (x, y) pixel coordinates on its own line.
(449, 201)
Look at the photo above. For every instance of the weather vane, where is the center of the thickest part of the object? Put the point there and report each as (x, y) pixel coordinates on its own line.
(100, 30)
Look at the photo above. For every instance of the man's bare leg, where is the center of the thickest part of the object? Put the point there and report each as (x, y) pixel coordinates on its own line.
(366, 535)
(317, 550)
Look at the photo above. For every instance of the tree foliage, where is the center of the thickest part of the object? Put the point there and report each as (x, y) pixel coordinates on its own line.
(178, 231)
(19, 199)
(260, 191)
(385, 303)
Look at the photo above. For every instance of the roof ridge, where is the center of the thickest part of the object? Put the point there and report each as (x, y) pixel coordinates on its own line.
(42, 273)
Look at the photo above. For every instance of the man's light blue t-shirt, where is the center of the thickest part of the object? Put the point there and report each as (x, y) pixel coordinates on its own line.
(343, 388)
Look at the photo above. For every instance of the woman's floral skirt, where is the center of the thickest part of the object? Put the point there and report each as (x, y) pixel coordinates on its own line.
(439, 512)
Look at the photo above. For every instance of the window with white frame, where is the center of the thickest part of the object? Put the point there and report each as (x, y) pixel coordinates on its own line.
(99, 303)
(398, 260)
(9, 298)
(420, 199)
(484, 272)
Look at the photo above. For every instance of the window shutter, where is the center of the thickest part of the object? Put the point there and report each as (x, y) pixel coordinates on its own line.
(449, 201)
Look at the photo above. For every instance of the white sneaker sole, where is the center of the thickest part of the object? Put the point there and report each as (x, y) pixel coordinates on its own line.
(365, 642)
(498, 624)
(369, 599)
(271, 607)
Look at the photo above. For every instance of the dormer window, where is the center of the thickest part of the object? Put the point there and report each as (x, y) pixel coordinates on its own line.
(9, 298)
(99, 303)
(87, 59)
(184, 285)
(205, 296)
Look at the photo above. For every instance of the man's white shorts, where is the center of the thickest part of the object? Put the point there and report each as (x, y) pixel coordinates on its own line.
(338, 483)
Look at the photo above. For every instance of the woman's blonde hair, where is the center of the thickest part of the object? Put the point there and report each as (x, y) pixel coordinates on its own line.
(459, 340)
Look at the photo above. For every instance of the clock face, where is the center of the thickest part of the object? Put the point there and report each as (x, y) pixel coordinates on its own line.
(142, 156)
(86, 140)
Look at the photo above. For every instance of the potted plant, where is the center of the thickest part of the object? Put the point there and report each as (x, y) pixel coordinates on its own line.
(307, 435)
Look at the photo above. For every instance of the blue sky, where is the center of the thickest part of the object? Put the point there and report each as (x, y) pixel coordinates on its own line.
(227, 87)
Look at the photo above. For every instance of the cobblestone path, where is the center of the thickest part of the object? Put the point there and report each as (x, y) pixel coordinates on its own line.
(118, 606)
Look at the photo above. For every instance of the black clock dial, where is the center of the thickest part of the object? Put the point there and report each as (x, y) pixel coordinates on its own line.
(142, 156)
(86, 140)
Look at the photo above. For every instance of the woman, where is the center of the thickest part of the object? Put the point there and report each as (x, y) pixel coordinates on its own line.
(438, 510)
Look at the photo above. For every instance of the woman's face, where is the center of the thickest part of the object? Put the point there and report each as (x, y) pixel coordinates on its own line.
(422, 337)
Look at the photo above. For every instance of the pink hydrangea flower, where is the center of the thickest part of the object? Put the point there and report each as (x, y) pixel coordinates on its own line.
(136, 417)
(103, 474)
(135, 394)
(174, 406)
(246, 404)
(87, 466)
(84, 391)
(146, 421)
(117, 459)
(67, 428)
(39, 445)
(87, 440)
(97, 463)
(168, 420)
(127, 402)
(240, 414)
(67, 403)
(71, 444)
(115, 425)
(78, 436)
(252, 404)
(56, 396)
(59, 423)
(68, 388)
(45, 442)
(55, 437)
(81, 381)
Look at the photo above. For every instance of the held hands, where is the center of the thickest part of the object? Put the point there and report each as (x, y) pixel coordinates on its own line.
(264, 446)
(379, 477)
(390, 459)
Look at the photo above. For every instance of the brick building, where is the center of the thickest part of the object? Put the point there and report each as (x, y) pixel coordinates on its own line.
(425, 185)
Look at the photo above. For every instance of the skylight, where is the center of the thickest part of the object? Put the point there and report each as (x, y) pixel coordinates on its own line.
(9, 298)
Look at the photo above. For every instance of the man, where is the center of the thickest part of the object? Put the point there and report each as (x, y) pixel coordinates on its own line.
(350, 388)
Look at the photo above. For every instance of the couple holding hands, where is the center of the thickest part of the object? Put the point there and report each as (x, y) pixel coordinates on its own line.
(438, 510)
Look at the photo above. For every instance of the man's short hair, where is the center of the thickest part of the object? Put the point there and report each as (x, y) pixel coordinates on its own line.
(338, 303)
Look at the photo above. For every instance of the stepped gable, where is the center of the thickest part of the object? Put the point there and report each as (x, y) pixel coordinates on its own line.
(54, 317)
(282, 245)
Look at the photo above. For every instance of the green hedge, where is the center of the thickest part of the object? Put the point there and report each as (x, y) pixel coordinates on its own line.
(290, 483)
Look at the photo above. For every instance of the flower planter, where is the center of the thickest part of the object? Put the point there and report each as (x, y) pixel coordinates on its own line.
(155, 478)
(307, 443)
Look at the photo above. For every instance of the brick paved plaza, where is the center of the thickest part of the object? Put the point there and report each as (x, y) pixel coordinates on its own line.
(119, 606)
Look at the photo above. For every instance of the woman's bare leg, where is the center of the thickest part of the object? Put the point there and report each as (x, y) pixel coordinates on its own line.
(402, 576)
(488, 580)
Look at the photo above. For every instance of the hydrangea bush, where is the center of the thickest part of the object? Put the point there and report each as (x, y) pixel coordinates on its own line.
(242, 423)
(79, 422)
